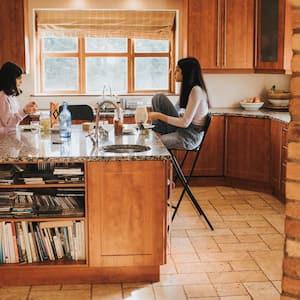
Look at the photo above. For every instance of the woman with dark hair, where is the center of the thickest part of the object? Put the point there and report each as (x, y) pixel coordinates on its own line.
(10, 83)
(182, 132)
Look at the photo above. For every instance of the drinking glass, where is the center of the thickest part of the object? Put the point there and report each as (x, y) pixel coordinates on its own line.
(35, 126)
(141, 115)
(45, 122)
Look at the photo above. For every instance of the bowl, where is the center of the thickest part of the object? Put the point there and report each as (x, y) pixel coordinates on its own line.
(279, 102)
(251, 105)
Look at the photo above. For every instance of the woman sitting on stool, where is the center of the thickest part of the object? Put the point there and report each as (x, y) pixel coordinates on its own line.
(182, 132)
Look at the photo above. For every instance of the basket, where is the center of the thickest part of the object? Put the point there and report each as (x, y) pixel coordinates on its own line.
(279, 95)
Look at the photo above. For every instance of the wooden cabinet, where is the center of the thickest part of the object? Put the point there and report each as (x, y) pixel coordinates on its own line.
(247, 149)
(221, 34)
(211, 159)
(12, 32)
(278, 158)
(273, 36)
(127, 225)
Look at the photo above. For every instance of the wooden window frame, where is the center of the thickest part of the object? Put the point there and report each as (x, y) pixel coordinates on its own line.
(81, 54)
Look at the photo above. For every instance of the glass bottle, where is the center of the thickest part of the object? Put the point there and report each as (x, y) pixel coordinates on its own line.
(65, 122)
(118, 119)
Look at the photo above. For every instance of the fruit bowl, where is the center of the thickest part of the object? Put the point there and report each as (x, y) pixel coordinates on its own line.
(251, 105)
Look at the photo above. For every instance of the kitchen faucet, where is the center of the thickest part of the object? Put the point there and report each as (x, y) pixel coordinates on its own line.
(99, 130)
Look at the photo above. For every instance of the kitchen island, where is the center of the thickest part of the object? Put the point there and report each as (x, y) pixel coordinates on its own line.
(124, 209)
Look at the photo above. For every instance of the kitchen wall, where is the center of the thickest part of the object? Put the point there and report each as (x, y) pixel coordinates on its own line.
(225, 90)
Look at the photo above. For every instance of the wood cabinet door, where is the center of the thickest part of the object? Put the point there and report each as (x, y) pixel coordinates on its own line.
(12, 32)
(211, 158)
(221, 33)
(238, 44)
(127, 203)
(203, 32)
(248, 148)
(274, 32)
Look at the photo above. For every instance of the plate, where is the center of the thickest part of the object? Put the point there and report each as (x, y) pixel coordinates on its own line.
(279, 108)
(25, 127)
(129, 130)
(146, 126)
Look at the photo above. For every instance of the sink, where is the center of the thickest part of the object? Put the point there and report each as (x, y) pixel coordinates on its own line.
(126, 148)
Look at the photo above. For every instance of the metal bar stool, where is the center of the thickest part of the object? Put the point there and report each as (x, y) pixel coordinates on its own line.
(186, 179)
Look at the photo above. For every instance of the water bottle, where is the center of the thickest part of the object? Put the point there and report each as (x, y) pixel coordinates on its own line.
(65, 122)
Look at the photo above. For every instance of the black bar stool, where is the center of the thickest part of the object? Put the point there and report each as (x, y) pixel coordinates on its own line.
(186, 179)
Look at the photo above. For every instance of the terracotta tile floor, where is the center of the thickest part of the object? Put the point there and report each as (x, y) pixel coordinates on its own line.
(241, 259)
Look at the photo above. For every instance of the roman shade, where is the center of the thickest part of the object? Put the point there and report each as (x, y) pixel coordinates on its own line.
(105, 23)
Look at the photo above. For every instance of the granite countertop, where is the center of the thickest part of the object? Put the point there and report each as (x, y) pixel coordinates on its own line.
(30, 147)
(283, 116)
(33, 147)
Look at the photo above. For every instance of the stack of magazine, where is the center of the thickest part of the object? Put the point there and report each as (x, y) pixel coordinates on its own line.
(7, 200)
(7, 174)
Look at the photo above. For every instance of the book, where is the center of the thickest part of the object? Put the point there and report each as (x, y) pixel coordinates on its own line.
(33, 243)
(56, 223)
(26, 239)
(48, 244)
(14, 235)
(10, 243)
(21, 243)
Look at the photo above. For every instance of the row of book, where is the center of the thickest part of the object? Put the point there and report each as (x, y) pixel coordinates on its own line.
(26, 203)
(33, 174)
(29, 242)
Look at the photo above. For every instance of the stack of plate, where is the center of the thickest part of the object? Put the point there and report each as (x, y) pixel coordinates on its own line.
(278, 100)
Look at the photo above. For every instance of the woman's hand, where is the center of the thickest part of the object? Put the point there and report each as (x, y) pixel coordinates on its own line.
(30, 108)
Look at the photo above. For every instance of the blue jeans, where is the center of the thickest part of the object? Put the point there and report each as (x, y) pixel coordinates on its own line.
(174, 137)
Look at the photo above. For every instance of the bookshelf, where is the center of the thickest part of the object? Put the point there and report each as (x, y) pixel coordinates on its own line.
(118, 231)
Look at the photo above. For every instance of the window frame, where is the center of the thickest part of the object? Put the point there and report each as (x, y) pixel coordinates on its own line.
(82, 55)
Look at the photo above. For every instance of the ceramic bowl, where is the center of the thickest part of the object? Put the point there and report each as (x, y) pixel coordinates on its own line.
(251, 105)
(279, 102)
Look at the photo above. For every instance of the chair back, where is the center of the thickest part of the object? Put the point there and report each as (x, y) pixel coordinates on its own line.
(80, 113)
(206, 126)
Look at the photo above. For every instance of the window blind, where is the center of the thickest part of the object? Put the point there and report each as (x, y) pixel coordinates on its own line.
(105, 23)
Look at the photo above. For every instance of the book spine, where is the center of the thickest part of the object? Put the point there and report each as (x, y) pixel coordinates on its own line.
(11, 250)
(26, 238)
(21, 243)
(14, 235)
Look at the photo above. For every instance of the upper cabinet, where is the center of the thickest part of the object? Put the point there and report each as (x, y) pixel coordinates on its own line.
(12, 32)
(221, 34)
(273, 36)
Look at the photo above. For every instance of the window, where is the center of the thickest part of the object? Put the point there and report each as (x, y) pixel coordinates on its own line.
(84, 64)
